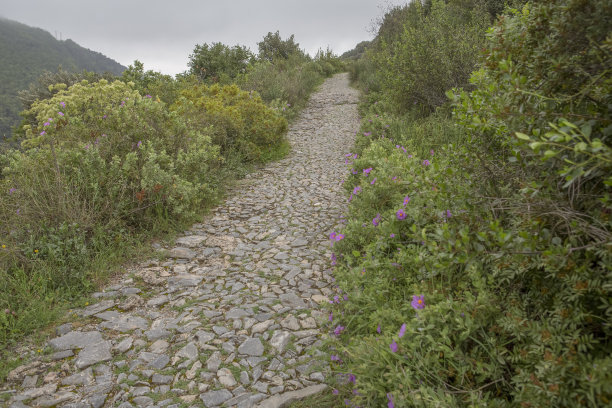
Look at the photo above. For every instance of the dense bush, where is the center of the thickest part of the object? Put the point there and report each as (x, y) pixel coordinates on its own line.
(218, 62)
(241, 123)
(502, 231)
(435, 51)
(273, 47)
(100, 163)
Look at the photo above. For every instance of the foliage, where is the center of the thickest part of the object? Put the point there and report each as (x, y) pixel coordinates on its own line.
(241, 123)
(273, 47)
(218, 62)
(28, 52)
(503, 228)
(435, 51)
(100, 165)
(152, 83)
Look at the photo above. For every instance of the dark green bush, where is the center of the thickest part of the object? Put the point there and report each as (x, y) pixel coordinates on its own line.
(506, 231)
(219, 62)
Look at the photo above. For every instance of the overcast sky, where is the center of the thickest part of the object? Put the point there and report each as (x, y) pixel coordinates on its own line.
(163, 33)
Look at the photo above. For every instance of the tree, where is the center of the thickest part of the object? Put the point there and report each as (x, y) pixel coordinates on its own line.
(273, 47)
(210, 62)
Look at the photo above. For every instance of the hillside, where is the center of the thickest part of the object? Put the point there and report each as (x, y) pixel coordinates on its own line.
(27, 52)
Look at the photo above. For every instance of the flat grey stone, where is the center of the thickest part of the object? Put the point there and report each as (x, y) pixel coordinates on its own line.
(93, 354)
(190, 241)
(85, 377)
(236, 313)
(97, 400)
(126, 323)
(283, 400)
(143, 401)
(182, 253)
(124, 345)
(279, 340)
(63, 329)
(158, 301)
(203, 337)
(292, 300)
(185, 280)
(158, 379)
(214, 361)
(190, 352)
(97, 308)
(61, 355)
(75, 339)
(156, 334)
(251, 347)
(215, 398)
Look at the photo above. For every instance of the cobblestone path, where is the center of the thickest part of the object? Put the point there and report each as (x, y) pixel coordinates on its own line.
(231, 318)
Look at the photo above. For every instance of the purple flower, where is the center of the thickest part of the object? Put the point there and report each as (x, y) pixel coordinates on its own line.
(139, 143)
(345, 297)
(410, 156)
(335, 391)
(367, 171)
(46, 124)
(335, 358)
(122, 103)
(148, 96)
(378, 329)
(12, 190)
(332, 236)
(418, 302)
(336, 299)
(406, 200)
(331, 316)
(426, 163)
(392, 235)
(400, 214)
(333, 259)
(339, 237)
(43, 133)
(353, 171)
(60, 113)
(373, 181)
(390, 404)
(18, 211)
(351, 378)
(431, 152)
(393, 346)
(367, 133)
(104, 117)
(402, 331)
(338, 330)
(448, 214)
(63, 104)
(376, 220)
(348, 155)
(356, 190)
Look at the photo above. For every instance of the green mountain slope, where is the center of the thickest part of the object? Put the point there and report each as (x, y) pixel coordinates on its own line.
(26, 52)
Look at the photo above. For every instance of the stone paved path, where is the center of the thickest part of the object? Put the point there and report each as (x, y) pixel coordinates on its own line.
(232, 317)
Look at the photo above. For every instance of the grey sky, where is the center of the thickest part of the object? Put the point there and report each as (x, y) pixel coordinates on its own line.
(162, 34)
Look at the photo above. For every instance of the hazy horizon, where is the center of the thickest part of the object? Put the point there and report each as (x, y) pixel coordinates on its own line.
(163, 37)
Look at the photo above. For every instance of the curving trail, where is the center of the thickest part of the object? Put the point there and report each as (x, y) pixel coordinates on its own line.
(232, 317)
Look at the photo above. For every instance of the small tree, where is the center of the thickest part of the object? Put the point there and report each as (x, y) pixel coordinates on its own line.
(273, 47)
(210, 62)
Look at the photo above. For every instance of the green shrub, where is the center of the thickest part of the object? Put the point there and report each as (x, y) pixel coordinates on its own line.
(218, 62)
(273, 48)
(506, 233)
(241, 123)
(436, 50)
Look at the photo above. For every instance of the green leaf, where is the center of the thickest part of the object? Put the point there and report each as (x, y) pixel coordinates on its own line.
(522, 136)
(356, 253)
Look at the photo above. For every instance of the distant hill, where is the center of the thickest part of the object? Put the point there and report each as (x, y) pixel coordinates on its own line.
(26, 52)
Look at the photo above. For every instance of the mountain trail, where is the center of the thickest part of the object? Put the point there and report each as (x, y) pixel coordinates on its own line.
(233, 316)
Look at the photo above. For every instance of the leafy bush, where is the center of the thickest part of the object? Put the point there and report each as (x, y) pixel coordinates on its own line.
(218, 62)
(100, 163)
(152, 83)
(241, 122)
(434, 52)
(502, 231)
(273, 47)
